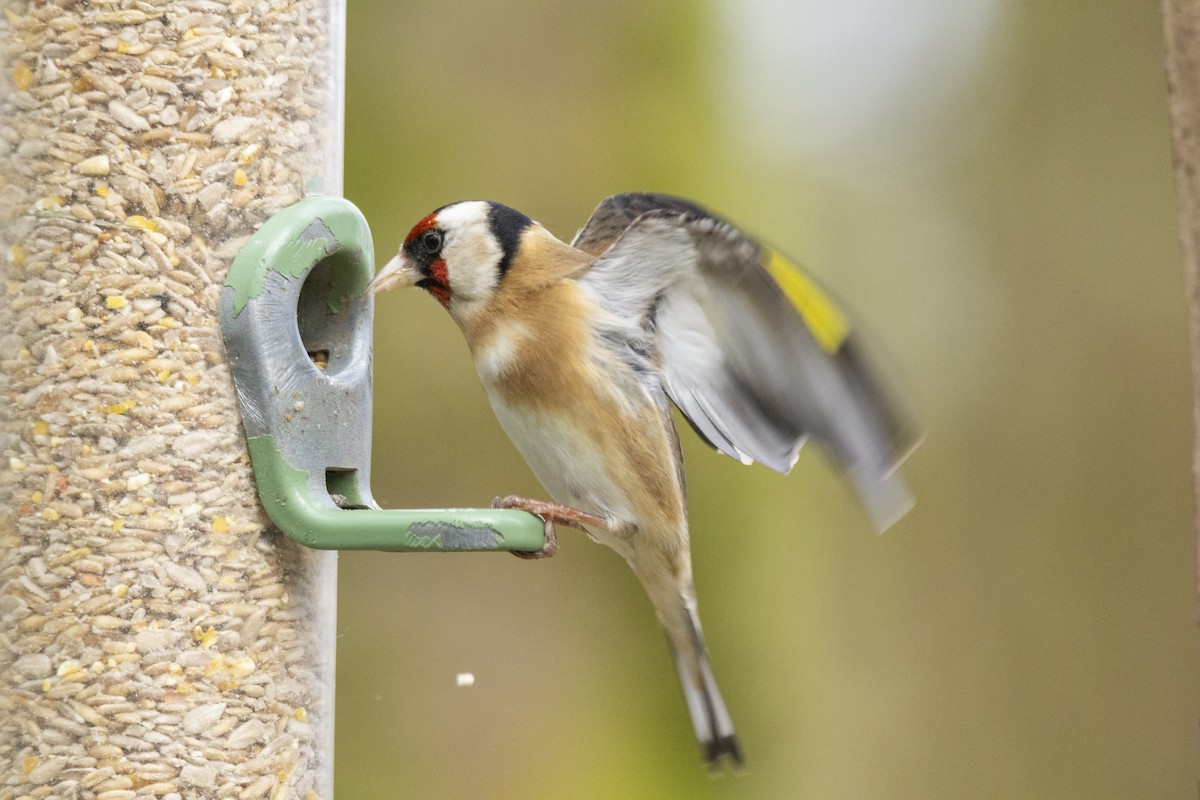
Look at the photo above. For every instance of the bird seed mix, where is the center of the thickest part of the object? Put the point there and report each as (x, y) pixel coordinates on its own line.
(157, 639)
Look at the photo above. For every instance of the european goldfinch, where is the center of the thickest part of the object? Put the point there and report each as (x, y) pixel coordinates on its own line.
(580, 346)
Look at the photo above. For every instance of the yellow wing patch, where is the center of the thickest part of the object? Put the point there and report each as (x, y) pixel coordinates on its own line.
(825, 320)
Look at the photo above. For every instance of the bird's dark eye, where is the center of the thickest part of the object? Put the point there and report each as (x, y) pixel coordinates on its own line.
(431, 241)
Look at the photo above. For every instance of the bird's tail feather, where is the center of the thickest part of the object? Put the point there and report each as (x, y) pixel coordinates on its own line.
(710, 718)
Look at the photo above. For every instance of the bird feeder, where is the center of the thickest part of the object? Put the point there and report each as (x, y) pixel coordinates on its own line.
(297, 325)
(158, 636)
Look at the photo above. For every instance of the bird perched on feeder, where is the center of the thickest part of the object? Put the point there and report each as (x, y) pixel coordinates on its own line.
(580, 346)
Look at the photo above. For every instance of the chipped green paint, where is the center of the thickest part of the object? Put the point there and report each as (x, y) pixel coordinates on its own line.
(289, 501)
(296, 238)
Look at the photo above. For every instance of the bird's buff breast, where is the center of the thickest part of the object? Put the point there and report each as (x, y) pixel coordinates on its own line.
(590, 435)
(570, 466)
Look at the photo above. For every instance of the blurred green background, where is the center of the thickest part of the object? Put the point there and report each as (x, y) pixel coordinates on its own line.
(987, 185)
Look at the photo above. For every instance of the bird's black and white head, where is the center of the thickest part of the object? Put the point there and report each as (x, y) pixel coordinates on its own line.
(459, 254)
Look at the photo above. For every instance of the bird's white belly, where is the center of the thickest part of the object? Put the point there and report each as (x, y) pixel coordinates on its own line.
(566, 463)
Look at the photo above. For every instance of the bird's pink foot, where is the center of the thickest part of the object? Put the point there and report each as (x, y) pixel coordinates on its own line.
(551, 514)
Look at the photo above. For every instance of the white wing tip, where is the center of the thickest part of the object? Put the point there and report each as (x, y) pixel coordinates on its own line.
(885, 498)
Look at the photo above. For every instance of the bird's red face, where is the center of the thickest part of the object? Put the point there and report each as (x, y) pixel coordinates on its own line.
(420, 262)
(423, 246)
(458, 254)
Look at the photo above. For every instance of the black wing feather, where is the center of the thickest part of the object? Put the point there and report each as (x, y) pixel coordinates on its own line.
(738, 358)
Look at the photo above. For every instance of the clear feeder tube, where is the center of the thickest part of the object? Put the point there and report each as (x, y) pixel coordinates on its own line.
(157, 637)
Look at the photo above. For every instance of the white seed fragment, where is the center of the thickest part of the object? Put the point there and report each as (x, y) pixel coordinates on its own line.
(96, 165)
(33, 665)
(257, 789)
(464, 679)
(195, 444)
(246, 734)
(117, 794)
(68, 667)
(198, 776)
(231, 129)
(137, 481)
(155, 639)
(127, 117)
(47, 770)
(185, 576)
(203, 717)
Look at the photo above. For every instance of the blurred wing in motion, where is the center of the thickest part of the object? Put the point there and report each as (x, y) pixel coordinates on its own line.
(754, 353)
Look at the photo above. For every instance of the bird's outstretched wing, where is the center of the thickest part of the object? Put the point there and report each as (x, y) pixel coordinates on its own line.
(754, 353)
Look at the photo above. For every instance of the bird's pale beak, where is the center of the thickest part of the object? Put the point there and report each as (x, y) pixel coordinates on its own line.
(395, 273)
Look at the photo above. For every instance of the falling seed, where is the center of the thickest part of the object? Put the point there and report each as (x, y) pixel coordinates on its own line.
(464, 679)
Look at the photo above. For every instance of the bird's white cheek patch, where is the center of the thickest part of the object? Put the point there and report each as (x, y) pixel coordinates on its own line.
(500, 351)
(472, 253)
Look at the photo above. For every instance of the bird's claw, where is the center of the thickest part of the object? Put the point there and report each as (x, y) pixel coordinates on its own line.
(551, 514)
(550, 548)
